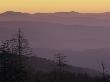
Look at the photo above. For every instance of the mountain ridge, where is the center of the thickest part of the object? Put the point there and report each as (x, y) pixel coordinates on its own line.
(72, 12)
(67, 18)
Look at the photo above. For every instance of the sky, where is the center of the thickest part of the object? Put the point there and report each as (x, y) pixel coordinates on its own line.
(33, 6)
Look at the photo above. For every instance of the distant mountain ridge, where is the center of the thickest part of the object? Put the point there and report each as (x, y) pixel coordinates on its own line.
(11, 13)
(71, 12)
(67, 18)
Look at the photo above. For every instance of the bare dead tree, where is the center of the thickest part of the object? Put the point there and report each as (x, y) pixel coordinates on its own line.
(15, 48)
(103, 69)
(105, 76)
(17, 45)
(60, 59)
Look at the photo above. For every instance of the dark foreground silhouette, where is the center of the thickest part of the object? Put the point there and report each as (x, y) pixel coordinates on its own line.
(14, 69)
(14, 66)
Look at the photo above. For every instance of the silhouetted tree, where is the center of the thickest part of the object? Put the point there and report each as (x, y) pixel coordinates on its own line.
(60, 59)
(12, 60)
(17, 45)
(105, 76)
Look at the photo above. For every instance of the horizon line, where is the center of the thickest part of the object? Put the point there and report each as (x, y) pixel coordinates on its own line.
(55, 12)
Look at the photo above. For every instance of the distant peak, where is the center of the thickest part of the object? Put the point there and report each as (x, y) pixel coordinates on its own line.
(72, 12)
(13, 13)
(107, 12)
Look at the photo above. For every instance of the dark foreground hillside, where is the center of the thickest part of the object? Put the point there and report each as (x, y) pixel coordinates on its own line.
(44, 65)
(17, 68)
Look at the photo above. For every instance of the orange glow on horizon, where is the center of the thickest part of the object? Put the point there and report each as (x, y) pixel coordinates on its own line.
(32, 6)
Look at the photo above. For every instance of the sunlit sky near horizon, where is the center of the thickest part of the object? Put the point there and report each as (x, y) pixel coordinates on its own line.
(32, 6)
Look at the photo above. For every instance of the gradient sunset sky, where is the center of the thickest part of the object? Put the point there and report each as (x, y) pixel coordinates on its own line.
(32, 6)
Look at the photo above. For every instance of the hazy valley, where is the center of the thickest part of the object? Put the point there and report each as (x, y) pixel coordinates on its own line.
(83, 37)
